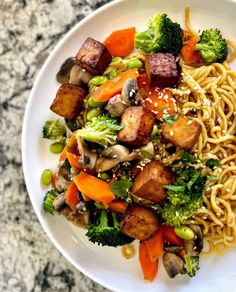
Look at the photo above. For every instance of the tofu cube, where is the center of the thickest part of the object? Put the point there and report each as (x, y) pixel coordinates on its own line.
(162, 70)
(138, 123)
(69, 101)
(139, 222)
(93, 56)
(149, 183)
(183, 133)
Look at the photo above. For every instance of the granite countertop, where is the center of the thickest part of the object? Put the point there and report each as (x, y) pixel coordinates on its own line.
(28, 260)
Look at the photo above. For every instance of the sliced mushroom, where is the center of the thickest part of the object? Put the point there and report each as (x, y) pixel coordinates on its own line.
(87, 157)
(63, 179)
(173, 249)
(78, 75)
(173, 264)
(129, 91)
(80, 220)
(117, 151)
(194, 246)
(116, 106)
(63, 74)
(104, 164)
(60, 201)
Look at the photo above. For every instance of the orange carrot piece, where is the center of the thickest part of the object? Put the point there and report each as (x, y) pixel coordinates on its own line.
(72, 198)
(120, 42)
(73, 160)
(63, 154)
(94, 188)
(114, 86)
(189, 54)
(155, 246)
(54, 178)
(160, 101)
(170, 236)
(149, 268)
(117, 206)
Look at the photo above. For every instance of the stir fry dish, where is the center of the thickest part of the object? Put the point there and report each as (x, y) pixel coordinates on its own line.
(146, 143)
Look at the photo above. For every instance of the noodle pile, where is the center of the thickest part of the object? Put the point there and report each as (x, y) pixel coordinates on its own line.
(210, 91)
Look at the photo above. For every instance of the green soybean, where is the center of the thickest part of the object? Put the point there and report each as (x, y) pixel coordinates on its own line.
(56, 147)
(135, 63)
(184, 232)
(46, 177)
(92, 103)
(93, 113)
(112, 73)
(116, 60)
(98, 80)
(104, 176)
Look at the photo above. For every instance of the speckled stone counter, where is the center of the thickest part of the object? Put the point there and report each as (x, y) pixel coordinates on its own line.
(29, 30)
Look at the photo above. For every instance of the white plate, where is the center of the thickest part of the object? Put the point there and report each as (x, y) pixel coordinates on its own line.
(106, 265)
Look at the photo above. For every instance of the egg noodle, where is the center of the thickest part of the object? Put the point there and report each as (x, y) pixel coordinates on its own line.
(210, 90)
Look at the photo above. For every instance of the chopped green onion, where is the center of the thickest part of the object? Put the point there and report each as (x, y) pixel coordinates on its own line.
(193, 180)
(146, 154)
(213, 162)
(177, 189)
(212, 177)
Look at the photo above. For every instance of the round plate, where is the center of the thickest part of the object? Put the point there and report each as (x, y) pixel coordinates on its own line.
(102, 264)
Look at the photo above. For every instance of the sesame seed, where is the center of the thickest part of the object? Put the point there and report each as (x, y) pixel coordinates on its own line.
(189, 122)
(171, 133)
(228, 190)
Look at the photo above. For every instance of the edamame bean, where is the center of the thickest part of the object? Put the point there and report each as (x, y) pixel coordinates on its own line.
(154, 131)
(98, 80)
(93, 113)
(56, 147)
(123, 177)
(184, 232)
(104, 176)
(135, 63)
(116, 60)
(92, 103)
(112, 73)
(46, 177)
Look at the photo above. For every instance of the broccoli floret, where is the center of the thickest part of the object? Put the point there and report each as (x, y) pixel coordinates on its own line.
(191, 265)
(183, 202)
(212, 46)
(162, 35)
(106, 232)
(54, 130)
(49, 197)
(101, 130)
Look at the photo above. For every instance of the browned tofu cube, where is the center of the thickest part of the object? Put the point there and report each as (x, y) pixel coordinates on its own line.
(149, 183)
(162, 70)
(68, 101)
(183, 133)
(138, 123)
(139, 222)
(93, 56)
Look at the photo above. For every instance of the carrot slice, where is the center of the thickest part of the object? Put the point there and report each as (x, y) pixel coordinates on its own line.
(189, 54)
(114, 86)
(149, 268)
(120, 42)
(160, 102)
(54, 178)
(94, 188)
(170, 236)
(63, 154)
(117, 206)
(72, 196)
(73, 160)
(155, 246)
(181, 253)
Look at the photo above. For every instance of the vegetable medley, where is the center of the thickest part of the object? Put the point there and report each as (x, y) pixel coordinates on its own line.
(118, 112)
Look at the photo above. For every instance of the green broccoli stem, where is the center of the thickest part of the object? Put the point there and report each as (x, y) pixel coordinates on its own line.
(103, 218)
(115, 220)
